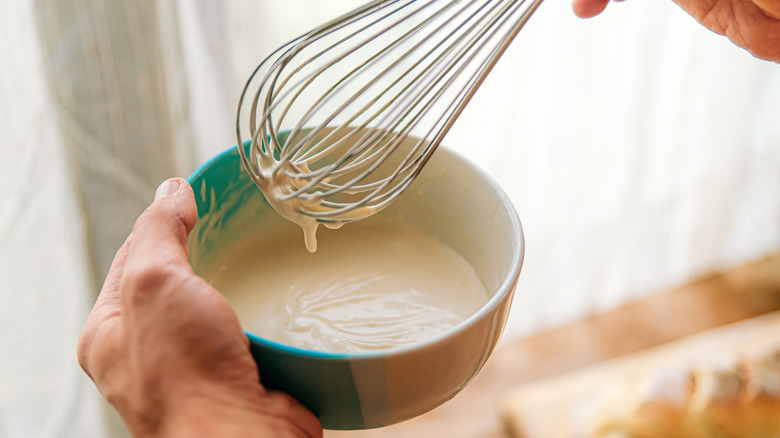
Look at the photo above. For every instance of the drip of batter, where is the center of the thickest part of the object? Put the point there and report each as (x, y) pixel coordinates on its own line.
(276, 184)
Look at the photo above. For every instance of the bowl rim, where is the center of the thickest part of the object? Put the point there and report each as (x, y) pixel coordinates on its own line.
(507, 286)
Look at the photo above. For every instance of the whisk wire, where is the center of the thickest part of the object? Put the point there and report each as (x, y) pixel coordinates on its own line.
(385, 71)
(363, 144)
(407, 164)
(311, 36)
(362, 68)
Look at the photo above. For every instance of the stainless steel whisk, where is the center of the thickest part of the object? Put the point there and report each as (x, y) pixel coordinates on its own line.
(351, 111)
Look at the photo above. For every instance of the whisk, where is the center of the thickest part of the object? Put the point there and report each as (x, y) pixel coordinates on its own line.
(344, 117)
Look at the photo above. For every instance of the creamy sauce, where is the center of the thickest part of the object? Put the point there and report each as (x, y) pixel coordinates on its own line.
(369, 286)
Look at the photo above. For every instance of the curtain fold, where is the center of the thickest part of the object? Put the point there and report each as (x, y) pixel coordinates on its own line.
(108, 82)
(45, 284)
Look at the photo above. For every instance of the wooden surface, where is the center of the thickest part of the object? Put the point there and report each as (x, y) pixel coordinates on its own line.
(567, 406)
(720, 299)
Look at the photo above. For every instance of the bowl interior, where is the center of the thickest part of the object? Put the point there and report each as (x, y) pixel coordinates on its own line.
(451, 200)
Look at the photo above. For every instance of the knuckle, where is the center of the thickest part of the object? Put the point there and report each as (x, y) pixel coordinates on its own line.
(98, 351)
(147, 278)
(82, 350)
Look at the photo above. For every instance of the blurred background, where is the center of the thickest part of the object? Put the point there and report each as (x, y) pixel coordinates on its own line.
(640, 150)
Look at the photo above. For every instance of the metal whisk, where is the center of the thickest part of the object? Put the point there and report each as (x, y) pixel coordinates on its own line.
(349, 113)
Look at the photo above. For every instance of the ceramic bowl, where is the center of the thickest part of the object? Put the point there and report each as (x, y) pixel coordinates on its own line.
(452, 200)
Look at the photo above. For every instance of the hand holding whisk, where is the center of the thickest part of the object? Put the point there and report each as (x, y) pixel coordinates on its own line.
(332, 113)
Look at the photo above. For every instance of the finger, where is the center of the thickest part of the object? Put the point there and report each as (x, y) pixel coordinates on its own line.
(159, 252)
(107, 306)
(285, 408)
(588, 8)
(770, 7)
(108, 300)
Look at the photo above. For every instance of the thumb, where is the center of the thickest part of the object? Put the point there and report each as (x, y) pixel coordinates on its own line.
(159, 251)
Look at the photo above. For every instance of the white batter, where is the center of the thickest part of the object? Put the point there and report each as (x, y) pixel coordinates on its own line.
(367, 287)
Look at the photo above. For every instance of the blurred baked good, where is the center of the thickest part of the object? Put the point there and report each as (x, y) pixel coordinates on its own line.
(728, 395)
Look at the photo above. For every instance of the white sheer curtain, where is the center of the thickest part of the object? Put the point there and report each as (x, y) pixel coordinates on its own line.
(44, 283)
(640, 150)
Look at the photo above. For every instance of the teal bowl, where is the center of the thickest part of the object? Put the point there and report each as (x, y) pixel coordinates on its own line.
(452, 200)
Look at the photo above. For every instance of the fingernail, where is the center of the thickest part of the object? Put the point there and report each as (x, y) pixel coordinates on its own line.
(167, 188)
